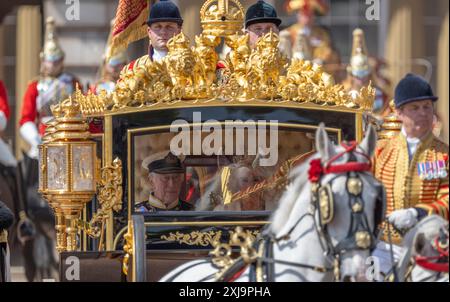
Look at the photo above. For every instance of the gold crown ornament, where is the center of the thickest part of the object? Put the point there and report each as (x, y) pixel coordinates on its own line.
(222, 18)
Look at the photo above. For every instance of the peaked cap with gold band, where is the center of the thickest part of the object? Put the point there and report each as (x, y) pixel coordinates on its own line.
(163, 163)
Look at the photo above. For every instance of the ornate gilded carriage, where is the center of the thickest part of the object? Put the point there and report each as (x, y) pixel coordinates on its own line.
(138, 119)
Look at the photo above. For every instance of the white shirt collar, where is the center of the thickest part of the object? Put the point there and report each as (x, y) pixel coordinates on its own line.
(158, 55)
(412, 142)
(155, 202)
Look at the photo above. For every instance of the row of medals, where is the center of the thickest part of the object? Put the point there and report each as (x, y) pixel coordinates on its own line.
(432, 170)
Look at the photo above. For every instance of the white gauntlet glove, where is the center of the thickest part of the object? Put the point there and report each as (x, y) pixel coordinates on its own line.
(3, 121)
(404, 219)
(31, 135)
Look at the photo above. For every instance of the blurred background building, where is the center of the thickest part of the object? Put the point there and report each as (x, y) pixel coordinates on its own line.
(411, 35)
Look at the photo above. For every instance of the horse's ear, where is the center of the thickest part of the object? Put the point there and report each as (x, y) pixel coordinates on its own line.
(323, 144)
(370, 141)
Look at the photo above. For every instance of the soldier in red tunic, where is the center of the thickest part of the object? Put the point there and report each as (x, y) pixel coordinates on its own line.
(7, 159)
(4, 107)
(50, 87)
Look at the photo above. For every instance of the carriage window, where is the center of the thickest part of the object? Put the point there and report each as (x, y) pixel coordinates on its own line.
(234, 176)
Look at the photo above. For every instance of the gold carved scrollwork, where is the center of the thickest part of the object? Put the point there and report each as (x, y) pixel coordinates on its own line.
(189, 73)
(195, 238)
(127, 248)
(222, 253)
(109, 195)
(198, 238)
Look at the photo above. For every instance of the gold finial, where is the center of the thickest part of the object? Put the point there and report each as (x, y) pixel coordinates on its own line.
(70, 108)
(222, 18)
(391, 124)
(56, 110)
(68, 121)
(51, 51)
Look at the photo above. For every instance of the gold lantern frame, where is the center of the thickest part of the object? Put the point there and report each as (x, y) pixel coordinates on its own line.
(67, 131)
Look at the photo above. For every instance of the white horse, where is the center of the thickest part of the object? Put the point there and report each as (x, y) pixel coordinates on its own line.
(421, 244)
(315, 238)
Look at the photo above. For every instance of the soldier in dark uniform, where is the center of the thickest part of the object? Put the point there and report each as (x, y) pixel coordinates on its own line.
(260, 19)
(166, 177)
(6, 220)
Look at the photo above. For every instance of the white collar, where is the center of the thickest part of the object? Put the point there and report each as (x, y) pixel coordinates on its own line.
(410, 140)
(158, 55)
(412, 143)
(157, 203)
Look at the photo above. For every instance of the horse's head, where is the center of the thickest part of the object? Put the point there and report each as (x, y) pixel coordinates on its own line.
(349, 201)
(345, 200)
(427, 246)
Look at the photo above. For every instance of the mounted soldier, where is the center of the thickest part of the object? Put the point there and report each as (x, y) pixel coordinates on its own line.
(360, 73)
(6, 221)
(52, 86)
(7, 159)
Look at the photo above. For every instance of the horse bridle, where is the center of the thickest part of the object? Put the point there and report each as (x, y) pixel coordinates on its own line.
(359, 235)
(438, 263)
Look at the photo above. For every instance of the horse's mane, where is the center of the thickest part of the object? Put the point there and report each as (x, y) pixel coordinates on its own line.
(429, 227)
(299, 177)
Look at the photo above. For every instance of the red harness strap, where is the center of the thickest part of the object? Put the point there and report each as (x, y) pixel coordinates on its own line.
(316, 170)
(350, 166)
(426, 263)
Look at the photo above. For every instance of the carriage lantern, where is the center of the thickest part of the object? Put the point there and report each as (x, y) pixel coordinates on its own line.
(67, 175)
